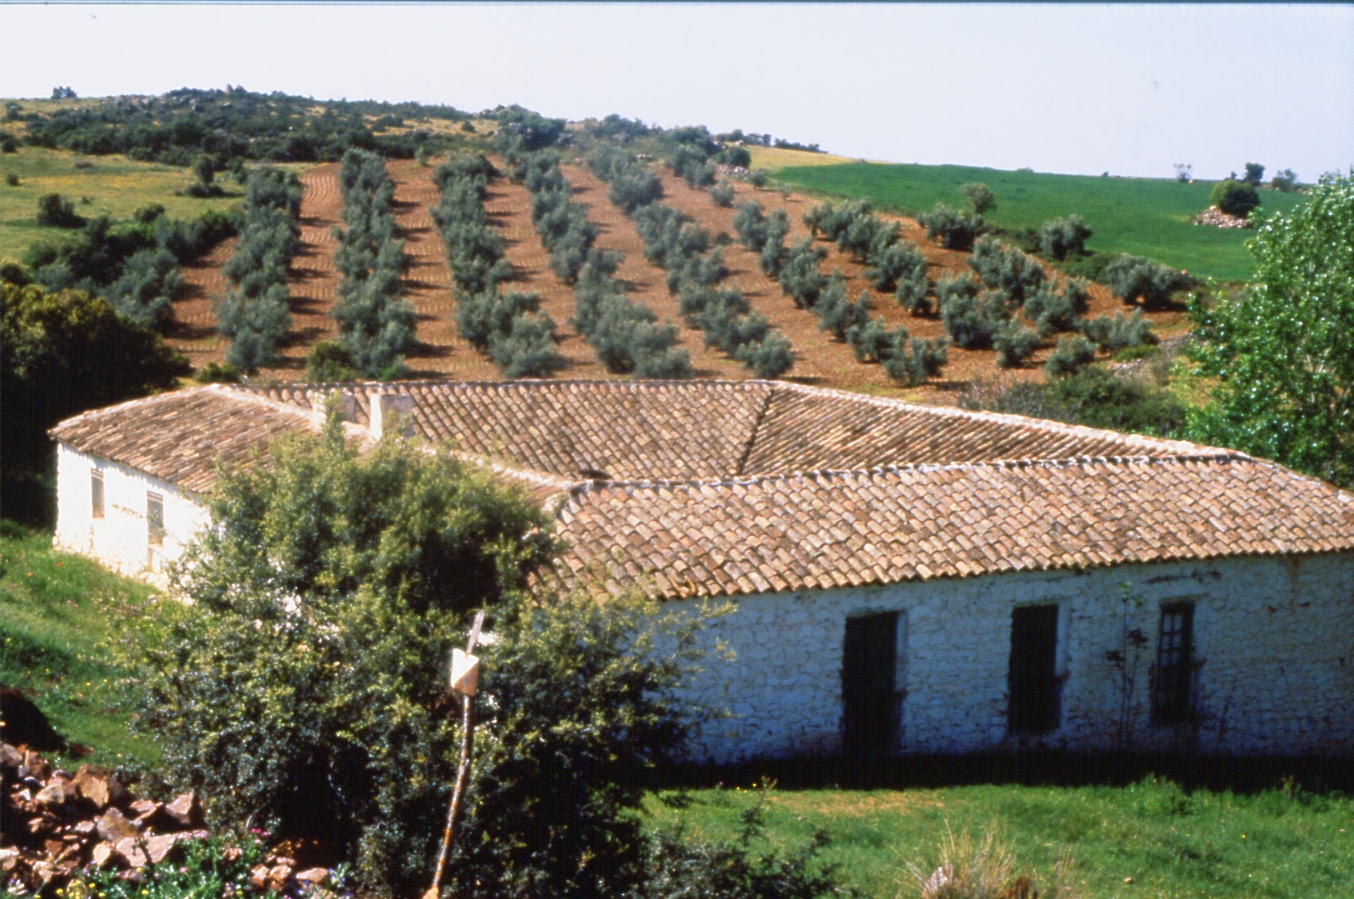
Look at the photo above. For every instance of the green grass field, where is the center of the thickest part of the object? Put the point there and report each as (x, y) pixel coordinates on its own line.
(57, 613)
(1141, 216)
(1148, 839)
(116, 186)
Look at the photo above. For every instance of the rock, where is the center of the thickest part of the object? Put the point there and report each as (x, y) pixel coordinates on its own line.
(258, 877)
(185, 810)
(159, 847)
(139, 807)
(101, 855)
(97, 787)
(113, 826)
(53, 847)
(9, 860)
(278, 875)
(85, 828)
(54, 795)
(41, 825)
(10, 758)
(130, 852)
(37, 765)
(313, 875)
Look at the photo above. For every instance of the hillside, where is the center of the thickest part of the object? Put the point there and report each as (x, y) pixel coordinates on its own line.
(1141, 216)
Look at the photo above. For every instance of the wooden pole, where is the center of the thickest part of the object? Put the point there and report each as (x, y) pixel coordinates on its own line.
(462, 769)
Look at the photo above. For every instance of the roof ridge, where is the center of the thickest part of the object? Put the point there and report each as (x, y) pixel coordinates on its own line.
(1040, 424)
(1227, 456)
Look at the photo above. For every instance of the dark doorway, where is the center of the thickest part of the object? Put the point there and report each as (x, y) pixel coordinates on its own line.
(1034, 677)
(869, 694)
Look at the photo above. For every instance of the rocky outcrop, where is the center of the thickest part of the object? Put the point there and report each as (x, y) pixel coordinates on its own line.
(53, 823)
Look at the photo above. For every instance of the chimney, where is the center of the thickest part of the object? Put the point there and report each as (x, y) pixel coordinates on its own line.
(345, 404)
(384, 405)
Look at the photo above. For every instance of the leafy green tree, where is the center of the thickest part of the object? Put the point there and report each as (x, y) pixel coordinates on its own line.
(145, 290)
(1285, 180)
(1070, 355)
(56, 212)
(953, 229)
(1255, 173)
(1137, 277)
(980, 197)
(1234, 197)
(1060, 238)
(1280, 350)
(61, 354)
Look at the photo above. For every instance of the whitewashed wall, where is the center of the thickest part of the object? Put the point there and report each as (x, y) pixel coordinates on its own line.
(120, 539)
(1275, 639)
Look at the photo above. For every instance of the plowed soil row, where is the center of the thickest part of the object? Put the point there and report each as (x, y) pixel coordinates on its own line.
(820, 359)
(440, 351)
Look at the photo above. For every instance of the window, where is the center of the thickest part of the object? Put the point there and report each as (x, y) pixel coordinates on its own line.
(1173, 684)
(95, 493)
(155, 519)
(1033, 679)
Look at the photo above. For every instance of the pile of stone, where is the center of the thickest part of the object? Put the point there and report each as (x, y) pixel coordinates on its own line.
(54, 823)
(1219, 219)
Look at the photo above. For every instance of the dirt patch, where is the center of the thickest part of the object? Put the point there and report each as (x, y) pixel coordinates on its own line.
(193, 332)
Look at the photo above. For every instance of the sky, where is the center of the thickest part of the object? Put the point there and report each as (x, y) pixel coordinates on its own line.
(1081, 88)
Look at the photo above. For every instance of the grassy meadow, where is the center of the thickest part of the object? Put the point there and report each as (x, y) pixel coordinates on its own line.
(1149, 839)
(57, 613)
(1142, 216)
(114, 185)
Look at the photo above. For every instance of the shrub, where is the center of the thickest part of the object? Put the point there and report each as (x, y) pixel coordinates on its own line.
(1099, 398)
(970, 322)
(1008, 270)
(214, 373)
(911, 363)
(1071, 355)
(1060, 238)
(1052, 311)
(1136, 277)
(758, 178)
(145, 290)
(723, 194)
(1119, 332)
(1014, 344)
(328, 361)
(12, 179)
(799, 276)
(837, 314)
(750, 224)
(298, 691)
(1255, 174)
(1284, 180)
(773, 252)
(873, 341)
(953, 229)
(527, 349)
(769, 358)
(895, 264)
(1234, 197)
(980, 197)
(57, 212)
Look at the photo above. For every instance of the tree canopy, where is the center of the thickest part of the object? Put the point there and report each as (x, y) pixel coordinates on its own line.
(1280, 351)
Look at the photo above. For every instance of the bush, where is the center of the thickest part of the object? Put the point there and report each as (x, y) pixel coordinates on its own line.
(800, 278)
(837, 314)
(1119, 332)
(12, 179)
(773, 252)
(1234, 197)
(1009, 270)
(328, 361)
(1061, 238)
(1255, 174)
(1052, 311)
(56, 212)
(299, 690)
(1014, 344)
(916, 361)
(1136, 277)
(527, 349)
(896, 264)
(224, 373)
(1285, 180)
(980, 197)
(1070, 355)
(971, 319)
(723, 194)
(953, 229)
(769, 358)
(1101, 399)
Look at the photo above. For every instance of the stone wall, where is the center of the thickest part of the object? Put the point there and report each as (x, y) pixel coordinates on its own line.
(1273, 658)
(120, 539)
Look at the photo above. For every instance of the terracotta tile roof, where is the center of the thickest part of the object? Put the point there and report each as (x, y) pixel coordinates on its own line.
(178, 436)
(852, 528)
(724, 488)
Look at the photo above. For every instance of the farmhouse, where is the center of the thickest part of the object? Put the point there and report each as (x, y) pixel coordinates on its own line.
(902, 578)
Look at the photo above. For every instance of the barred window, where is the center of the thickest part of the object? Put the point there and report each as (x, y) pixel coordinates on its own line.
(1173, 685)
(155, 519)
(95, 493)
